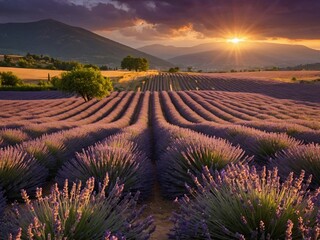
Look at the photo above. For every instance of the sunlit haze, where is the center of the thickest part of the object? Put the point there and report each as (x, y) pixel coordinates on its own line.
(235, 40)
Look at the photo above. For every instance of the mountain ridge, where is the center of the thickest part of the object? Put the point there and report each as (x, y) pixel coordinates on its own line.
(60, 40)
(226, 56)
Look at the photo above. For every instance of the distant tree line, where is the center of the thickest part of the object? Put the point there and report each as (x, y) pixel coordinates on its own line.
(45, 62)
(137, 64)
(309, 67)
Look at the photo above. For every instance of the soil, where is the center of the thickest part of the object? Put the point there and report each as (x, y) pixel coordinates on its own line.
(161, 209)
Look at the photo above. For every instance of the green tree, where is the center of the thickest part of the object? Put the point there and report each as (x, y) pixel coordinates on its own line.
(86, 82)
(174, 70)
(128, 63)
(9, 79)
(141, 64)
(137, 64)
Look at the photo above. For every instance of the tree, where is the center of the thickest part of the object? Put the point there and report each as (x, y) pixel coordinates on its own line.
(86, 82)
(174, 70)
(127, 63)
(137, 64)
(141, 64)
(9, 79)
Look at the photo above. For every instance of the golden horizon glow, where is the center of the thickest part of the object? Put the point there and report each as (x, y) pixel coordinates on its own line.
(235, 40)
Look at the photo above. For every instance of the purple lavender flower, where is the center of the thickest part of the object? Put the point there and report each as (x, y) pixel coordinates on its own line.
(303, 157)
(188, 155)
(81, 213)
(242, 203)
(19, 171)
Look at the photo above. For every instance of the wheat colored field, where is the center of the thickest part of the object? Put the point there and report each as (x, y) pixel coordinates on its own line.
(283, 76)
(35, 75)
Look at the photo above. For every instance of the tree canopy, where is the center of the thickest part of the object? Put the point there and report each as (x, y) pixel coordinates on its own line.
(9, 79)
(86, 82)
(137, 64)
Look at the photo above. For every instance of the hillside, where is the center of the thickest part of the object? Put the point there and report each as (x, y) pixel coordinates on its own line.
(309, 67)
(167, 52)
(226, 56)
(58, 40)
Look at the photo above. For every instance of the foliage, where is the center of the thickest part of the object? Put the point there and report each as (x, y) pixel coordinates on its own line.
(41, 62)
(80, 214)
(13, 136)
(9, 79)
(174, 70)
(86, 82)
(18, 170)
(303, 157)
(137, 64)
(119, 157)
(267, 145)
(188, 155)
(241, 203)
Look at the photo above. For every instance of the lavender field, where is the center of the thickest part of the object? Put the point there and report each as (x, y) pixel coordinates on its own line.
(235, 156)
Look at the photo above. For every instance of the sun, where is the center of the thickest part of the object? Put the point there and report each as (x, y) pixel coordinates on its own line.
(235, 40)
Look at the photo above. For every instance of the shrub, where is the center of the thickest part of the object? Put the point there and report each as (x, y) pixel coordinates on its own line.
(18, 170)
(304, 157)
(80, 214)
(266, 145)
(123, 162)
(40, 151)
(13, 136)
(86, 82)
(190, 155)
(9, 79)
(241, 203)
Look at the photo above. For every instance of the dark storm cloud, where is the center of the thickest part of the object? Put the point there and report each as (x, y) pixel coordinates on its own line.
(296, 19)
(267, 18)
(101, 16)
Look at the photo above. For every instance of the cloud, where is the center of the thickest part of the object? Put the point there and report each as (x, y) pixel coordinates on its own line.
(294, 19)
(100, 16)
(213, 18)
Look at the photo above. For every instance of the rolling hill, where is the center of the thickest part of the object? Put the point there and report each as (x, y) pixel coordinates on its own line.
(59, 40)
(226, 56)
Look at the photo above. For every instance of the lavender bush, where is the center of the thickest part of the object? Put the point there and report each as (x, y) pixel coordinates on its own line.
(120, 158)
(13, 136)
(241, 203)
(40, 151)
(266, 145)
(80, 214)
(303, 157)
(189, 155)
(19, 171)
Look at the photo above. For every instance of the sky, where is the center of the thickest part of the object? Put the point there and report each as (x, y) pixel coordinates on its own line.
(179, 22)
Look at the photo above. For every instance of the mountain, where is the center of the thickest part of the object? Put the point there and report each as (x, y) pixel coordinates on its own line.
(59, 40)
(225, 56)
(167, 52)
